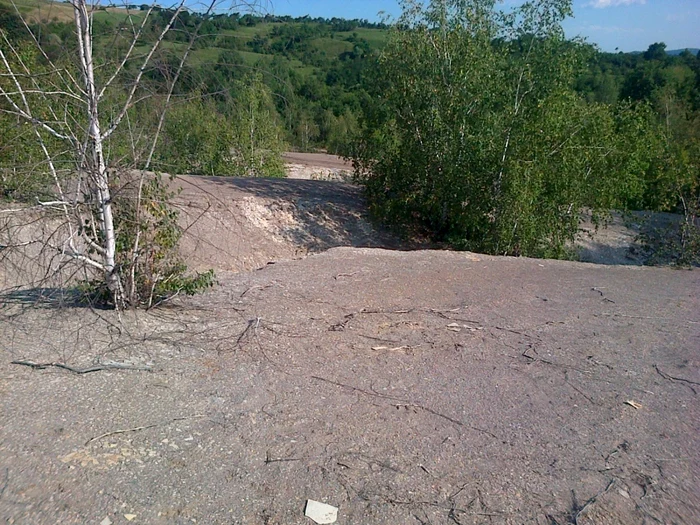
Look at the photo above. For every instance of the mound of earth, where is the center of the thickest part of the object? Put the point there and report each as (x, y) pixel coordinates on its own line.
(317, 166)
(241, 224)
(400, 386)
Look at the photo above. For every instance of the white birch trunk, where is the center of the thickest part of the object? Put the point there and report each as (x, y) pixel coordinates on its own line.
(94, 163)
(90, 230)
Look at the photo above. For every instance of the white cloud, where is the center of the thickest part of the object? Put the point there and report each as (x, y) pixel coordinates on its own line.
(601, 4)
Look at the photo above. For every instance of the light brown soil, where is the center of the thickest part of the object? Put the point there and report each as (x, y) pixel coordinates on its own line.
(317, 160)
(242, 224)
(403, 387)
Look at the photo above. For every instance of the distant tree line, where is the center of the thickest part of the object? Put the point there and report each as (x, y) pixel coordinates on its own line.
(347, 86)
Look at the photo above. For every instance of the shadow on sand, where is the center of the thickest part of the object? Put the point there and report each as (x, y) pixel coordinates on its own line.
(50, 298)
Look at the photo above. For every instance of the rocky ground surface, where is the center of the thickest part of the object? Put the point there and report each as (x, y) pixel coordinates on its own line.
(420, 386)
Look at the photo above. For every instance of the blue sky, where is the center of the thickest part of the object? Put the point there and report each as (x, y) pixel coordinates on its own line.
(629, 25)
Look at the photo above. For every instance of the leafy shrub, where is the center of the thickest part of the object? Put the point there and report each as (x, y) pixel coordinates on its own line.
(478, 137)
(257, 143)
(199, 139)
(196, 139)
(678, 243)
(148, 235)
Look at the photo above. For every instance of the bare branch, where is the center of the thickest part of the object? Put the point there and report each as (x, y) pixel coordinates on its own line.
(128, 104)
(43, 93)
(41, 50)
(26, 112)
(180, 67)
(127, 56)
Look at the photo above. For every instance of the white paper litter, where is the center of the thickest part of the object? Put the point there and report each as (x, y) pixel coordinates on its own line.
(320, 512)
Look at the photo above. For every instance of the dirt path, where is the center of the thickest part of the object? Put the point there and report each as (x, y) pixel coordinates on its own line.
(424, 387)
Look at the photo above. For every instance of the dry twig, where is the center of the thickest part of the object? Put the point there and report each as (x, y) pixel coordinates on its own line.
(145, 427)
(407, 404)
(677, 379)
(95, 368)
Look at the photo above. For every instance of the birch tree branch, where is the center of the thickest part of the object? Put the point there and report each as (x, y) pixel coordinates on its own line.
(161, 121)
(41, 50)
(26, 112)
(137, 81)
(134, 40)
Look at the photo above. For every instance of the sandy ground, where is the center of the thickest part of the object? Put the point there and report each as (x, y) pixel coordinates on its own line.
(317, 166)
(317, 160)
(421, 386)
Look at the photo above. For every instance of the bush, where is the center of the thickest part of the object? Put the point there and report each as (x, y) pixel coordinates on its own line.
(679, 242)
(196, 140)
(257, 143)
(200, 140)
(478, 138)
(148, 235)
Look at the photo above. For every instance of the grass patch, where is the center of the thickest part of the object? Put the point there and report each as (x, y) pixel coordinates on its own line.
(332, 46)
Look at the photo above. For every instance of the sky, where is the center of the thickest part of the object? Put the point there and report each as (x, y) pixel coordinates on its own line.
(624, 25)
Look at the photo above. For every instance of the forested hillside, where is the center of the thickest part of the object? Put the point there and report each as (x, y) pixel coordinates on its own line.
(251, 86)
(319, 72)
(312, 69)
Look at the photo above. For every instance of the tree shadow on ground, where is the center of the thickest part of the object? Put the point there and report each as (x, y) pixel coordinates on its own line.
(49, 298)
(310, 214)
(275, 188)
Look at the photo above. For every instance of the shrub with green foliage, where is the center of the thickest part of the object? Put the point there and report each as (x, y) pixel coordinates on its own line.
(247, 141)
(257, 144)
(61, 107)
(24, 174)
(478, 137)
(679, 190)
(195, 140)
(148, 235)
(23, 178)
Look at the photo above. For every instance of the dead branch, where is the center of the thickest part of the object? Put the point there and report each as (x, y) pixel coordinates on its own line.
(115, 432)
(380, 339)
(586, 396)
(360, 390)
(593, 500)
(145, 427)
(407, 404)
(677, 379)
(95, 368)
(178, 72)
(137, 81)
(128, 54)
(253, 325)
(336, 277)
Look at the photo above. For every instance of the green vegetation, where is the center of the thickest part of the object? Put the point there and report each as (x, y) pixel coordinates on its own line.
(480, 138)
(487, 131)
(200, 140)
(313, 67)
(147, 237)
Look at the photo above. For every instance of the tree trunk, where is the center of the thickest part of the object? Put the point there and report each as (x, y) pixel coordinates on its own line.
(94, 161)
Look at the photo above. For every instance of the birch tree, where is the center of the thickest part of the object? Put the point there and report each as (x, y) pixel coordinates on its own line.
(73, 107)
